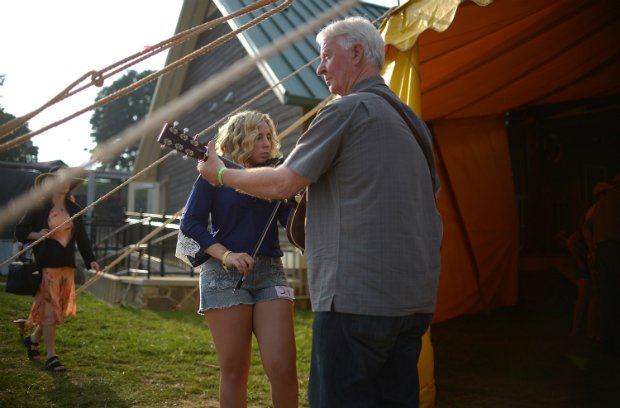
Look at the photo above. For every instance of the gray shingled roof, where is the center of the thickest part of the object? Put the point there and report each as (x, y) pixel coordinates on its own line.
(305, 88)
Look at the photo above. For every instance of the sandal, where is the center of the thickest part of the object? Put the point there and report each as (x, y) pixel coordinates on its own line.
(32, 347)
(53, 364)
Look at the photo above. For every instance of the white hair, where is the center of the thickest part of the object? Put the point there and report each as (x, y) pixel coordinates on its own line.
(353, 30)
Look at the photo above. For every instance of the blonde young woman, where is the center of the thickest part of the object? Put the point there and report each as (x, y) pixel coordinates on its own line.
(55, 255)
(263, 305)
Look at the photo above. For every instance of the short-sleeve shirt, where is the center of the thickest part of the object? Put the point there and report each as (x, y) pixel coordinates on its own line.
(373, 232)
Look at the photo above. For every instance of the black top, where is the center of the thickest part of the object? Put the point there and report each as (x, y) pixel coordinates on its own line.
(49, 252)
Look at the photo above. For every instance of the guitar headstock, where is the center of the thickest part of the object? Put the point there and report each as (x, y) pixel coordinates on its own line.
(180, 141)
(173, 137)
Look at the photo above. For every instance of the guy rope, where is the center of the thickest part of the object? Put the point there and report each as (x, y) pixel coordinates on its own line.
(181, 105)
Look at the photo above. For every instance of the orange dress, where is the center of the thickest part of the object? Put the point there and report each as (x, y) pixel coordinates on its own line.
(55, 299)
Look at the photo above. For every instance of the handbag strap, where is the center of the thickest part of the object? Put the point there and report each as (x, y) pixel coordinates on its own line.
(426, 149)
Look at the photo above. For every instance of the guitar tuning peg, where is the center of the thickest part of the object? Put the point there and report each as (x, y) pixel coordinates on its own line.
(162, 146)
(175, 123)
(185, 157)
(185, 130)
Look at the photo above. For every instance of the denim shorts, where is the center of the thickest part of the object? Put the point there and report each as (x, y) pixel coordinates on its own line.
(265, 282)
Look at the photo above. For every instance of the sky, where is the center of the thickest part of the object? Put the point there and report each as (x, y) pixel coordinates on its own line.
(46, 45)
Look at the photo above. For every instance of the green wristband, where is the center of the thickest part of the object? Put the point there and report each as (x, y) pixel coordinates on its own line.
(219, 176)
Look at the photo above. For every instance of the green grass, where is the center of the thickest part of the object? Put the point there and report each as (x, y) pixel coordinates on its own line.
(510, 357)
(127, 357)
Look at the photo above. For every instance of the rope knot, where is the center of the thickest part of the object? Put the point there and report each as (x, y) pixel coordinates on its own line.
(97, 79)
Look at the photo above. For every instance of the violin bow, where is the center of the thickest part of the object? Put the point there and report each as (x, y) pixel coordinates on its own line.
(260, 241)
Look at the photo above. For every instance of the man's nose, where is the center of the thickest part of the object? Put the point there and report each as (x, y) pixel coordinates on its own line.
(320, 69)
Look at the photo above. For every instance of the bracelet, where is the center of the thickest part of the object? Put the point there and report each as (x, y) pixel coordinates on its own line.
(219, 176)
(224, 260)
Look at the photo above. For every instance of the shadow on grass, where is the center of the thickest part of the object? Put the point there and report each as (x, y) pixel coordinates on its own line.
(190, 318)
(95, 393)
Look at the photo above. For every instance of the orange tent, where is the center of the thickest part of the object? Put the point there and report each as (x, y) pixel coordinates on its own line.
(462, 80)
(491, 60)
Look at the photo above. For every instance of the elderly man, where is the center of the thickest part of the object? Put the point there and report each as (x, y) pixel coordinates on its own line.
(373, 232)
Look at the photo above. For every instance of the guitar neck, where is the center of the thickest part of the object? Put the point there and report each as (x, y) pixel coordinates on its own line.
(228, 163)
(179, 140)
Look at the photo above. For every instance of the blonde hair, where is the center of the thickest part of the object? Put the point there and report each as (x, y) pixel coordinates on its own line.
(235, 139)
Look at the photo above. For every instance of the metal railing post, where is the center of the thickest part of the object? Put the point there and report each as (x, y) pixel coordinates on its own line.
(148, 251)
(162, 248)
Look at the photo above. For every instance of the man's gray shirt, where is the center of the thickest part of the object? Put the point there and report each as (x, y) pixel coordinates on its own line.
(373, 233)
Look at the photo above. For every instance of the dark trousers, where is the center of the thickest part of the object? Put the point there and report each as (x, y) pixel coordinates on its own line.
(607, 268)
(365, 361)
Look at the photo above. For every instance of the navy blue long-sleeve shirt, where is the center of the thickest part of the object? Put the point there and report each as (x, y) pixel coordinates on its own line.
(237, 221)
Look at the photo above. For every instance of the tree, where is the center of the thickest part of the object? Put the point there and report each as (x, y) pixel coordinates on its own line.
(114, 117)
(25, 152)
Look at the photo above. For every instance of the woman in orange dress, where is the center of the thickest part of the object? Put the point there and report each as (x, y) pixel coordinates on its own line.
(55, 255)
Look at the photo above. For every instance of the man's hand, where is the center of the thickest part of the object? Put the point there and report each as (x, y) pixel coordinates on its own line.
(208, 169)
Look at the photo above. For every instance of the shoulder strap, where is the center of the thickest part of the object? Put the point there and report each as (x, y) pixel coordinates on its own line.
(426, 149)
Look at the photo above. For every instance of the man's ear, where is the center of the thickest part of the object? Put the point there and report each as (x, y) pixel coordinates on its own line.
(358, 53)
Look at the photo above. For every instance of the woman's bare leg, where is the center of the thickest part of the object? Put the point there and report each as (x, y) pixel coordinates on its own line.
(273, 327)
(231, 330)
(36, 334)
(49, 335)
